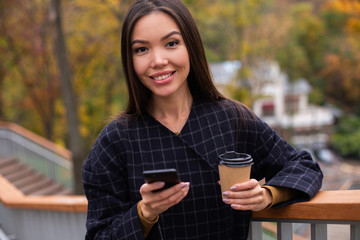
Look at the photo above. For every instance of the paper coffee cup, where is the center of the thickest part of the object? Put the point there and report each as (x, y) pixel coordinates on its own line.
(234, 168)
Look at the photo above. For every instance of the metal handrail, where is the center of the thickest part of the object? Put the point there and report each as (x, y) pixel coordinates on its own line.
(37, 153)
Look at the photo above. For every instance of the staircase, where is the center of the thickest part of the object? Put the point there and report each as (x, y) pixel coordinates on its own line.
(28, 180)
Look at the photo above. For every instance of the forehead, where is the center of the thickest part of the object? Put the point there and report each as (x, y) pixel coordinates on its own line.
(156, 23)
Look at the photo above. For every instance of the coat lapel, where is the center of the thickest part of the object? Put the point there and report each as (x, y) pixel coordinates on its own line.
(202, 133)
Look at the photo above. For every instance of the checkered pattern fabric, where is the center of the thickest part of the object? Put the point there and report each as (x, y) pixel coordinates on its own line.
(112, 173)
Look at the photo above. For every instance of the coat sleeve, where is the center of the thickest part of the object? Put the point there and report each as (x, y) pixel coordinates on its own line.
(282, 165)
(111, 214)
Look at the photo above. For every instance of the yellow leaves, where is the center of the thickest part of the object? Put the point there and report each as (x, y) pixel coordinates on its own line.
(353, 25)
(342, 77)
(85, 119)
(344, 6)
(332, 61)
(84, 18)
(342, 58)
(240, 94)
(351, 9)
(246, 47)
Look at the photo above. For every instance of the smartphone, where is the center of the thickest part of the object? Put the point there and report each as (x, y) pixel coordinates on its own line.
(169, 176)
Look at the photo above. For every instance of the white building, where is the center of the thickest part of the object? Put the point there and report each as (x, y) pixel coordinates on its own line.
(282, 104)
(225, 73)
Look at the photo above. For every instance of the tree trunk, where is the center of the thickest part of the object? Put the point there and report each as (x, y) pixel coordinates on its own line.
(76, 143)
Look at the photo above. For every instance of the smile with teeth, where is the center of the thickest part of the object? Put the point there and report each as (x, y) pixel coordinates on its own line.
(162, 77)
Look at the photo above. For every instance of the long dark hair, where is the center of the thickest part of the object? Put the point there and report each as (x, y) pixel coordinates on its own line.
(199, 78)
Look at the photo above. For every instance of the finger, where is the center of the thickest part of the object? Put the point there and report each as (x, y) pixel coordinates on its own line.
(252, 207)
(245, 207)
(258, 200)
(150, 187)
(156, 206)
(156, 186)
(176, 191)
(252, 183)
(243, 194)
(163, 196)
(172, 190)
(174, 197)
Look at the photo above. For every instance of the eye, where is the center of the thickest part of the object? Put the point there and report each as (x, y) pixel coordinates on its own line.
(140, 50)
(172, 43)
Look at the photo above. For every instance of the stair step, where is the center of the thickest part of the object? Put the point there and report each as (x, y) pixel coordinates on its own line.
(12, 168)
(36, 186)
(49, 190)
(65, 191)
(6, 161)
(28, 180)
(20, 174)
(21, 183)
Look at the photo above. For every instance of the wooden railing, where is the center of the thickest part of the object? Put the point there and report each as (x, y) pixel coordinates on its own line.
(41, 217)
(63, 217)
(67, 214)
(327, 207)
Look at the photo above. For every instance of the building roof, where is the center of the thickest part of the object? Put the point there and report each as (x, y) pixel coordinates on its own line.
(300, 86)
(224, 72)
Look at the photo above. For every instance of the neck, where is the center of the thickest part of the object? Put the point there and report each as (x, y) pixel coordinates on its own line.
(174, 107)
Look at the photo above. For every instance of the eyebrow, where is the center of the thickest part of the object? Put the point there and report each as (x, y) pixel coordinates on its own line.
(169, 35)
(161, 39)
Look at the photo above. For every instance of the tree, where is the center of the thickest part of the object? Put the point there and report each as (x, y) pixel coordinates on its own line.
(94, 43)
(346, 139)
(60, 51)
(25, 56)
(342, 59)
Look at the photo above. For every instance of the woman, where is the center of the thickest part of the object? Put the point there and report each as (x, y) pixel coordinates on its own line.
(176, 118)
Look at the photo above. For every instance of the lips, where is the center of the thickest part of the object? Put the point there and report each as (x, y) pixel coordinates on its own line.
(161, 76)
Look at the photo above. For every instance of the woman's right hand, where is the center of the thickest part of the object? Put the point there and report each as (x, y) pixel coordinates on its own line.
(155, 203)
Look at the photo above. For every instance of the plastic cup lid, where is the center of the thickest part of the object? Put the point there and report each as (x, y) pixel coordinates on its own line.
(235, 159)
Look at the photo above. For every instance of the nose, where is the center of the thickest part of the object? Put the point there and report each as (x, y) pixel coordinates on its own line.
(159, 58)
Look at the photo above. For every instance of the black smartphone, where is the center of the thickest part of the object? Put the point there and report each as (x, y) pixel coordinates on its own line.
(169, 176)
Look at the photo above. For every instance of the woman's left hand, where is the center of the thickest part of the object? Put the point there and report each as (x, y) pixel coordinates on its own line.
(248, 195)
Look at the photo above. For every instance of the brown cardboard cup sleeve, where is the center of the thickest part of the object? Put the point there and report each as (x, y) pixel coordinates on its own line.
(234, 168)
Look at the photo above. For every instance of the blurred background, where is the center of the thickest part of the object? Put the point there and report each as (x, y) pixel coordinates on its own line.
(295, 63)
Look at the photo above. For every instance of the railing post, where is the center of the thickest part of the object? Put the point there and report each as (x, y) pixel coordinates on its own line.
(355, 231)
(284, 231)
(318, 231)
(3, 236)
(255, 231)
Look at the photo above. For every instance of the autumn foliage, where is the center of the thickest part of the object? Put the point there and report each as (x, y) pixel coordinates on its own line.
(317, 40)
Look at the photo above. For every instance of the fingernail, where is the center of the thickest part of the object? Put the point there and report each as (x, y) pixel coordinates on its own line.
(226, 200)
(233, 188)
(234, 205)
(225, 194)
(160, 184)
(183, 185)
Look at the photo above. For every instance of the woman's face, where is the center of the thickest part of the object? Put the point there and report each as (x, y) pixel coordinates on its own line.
(160, 57)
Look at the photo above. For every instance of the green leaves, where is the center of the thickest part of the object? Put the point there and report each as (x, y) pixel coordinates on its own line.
(316, 40)
(346, 139)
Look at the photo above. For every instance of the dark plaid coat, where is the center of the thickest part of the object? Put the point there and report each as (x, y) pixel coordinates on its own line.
(112, 173)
